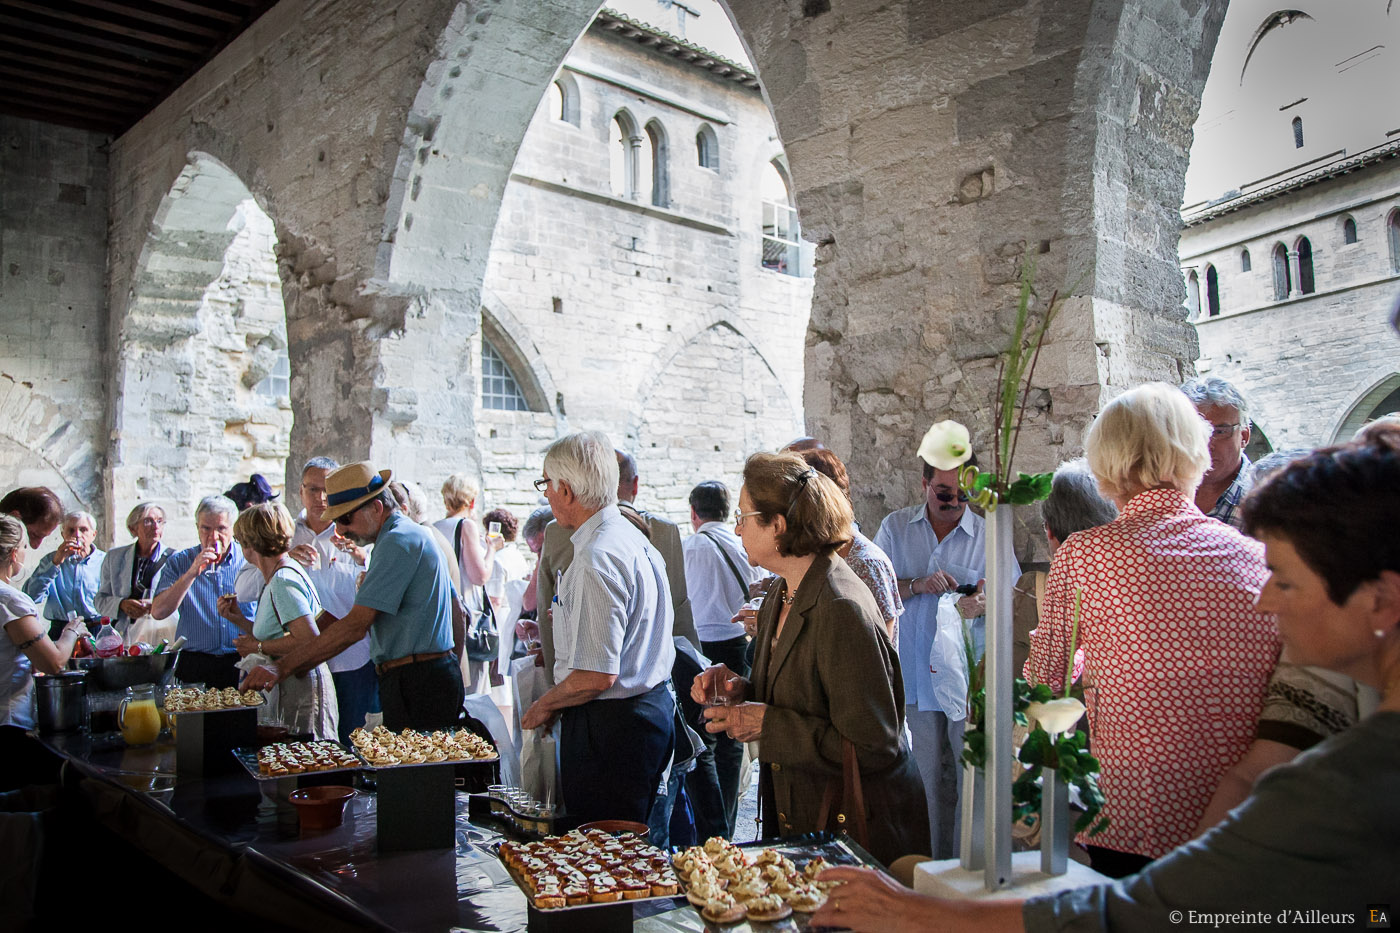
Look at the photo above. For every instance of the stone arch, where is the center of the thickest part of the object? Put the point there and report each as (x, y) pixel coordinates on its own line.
(204, 327)
(683, 434)
(66, 461)
(660, 167)
(1379, 387)
(512, 340)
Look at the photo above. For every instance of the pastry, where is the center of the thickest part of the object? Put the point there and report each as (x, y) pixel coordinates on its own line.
(767, 909)
(805, 899)
(723, 909)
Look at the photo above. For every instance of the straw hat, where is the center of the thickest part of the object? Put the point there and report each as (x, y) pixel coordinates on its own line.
(351, 486)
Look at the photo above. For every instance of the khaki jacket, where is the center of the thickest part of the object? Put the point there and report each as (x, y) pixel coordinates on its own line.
(835, 673)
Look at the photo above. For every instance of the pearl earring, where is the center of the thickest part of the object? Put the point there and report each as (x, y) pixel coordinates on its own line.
(1380, 633)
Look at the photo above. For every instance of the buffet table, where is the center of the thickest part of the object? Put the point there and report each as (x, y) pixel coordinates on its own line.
(239, 842)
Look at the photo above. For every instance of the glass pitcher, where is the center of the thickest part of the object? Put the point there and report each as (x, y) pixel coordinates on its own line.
(137, 716)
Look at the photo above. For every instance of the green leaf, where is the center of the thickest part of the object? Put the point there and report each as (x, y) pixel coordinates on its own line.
(984, 481)
(1029, 488)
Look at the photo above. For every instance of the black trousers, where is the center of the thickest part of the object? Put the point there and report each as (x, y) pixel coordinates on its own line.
(612, 754)
(425, 695)
(212, 670)
(729, 754)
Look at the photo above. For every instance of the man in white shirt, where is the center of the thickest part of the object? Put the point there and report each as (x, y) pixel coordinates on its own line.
(718, 574)
(612, 644)
(935, 547)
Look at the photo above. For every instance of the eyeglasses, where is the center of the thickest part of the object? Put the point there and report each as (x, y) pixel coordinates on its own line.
(542, 484)
(740, 515)
(1223, 430)
(152, 522)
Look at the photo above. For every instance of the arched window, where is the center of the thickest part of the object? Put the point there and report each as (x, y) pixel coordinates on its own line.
(1244, 260)
(659, 164)
(1193, 295)
(1306, 284)
(499, 388)
(1212, 292)
(563, 100)
(619, 158)
(1392, 229)
(1297, 132)
(1348, 231)
(780, 235)
(707, 148)
(1283, 281)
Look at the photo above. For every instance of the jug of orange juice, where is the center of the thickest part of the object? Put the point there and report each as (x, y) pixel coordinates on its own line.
(137, 715)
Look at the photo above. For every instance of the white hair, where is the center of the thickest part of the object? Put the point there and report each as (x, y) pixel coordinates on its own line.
(588, 463)
(218, 505)
(77, 514)
(140, 511)
(1147, 437)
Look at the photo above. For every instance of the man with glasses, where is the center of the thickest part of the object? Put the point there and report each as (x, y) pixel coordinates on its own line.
(1224, 486)
(404, 603)
(936, 546)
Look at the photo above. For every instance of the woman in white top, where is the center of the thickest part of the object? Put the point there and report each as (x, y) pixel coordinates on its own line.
(475, 561)
(286, 618)
(26, 644)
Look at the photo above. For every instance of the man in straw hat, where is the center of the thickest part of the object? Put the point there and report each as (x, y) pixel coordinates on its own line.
(405, 603)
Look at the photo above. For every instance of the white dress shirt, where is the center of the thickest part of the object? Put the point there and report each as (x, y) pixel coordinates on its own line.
(912, 546)
(715, 593)
(614, 613)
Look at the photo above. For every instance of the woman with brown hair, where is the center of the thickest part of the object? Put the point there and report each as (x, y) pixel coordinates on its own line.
(826, 685)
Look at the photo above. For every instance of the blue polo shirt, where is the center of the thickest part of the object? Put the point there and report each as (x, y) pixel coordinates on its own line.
(408, 585)
(200, 622)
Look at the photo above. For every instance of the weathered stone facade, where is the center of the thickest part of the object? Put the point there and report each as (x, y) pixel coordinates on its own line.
(931, 146)
(1295, 157)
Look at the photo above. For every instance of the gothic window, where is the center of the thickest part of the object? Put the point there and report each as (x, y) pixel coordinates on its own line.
(1283, 282)
(563, 100)
(1306, 285)
(781, 247)
(1297, 132)
(499, 388)
(1244, 261)
(1212, 292)
(1349, 231)
(1193, 295)
(1392, 229)
(619, 158)
(659, 164)
(707, 148)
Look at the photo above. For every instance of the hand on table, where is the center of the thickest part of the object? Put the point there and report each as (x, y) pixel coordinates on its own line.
(868, 901)
(742, 723)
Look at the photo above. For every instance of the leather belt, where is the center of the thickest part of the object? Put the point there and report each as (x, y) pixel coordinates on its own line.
(409, 659)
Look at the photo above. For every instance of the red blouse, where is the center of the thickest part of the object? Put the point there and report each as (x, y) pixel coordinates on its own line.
(1177, 656)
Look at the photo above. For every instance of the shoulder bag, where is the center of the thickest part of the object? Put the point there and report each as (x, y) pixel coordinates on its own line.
(483, 636)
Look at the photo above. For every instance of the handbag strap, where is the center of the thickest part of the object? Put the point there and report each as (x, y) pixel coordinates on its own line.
(272, 599)
(848, 795)
(738, 577)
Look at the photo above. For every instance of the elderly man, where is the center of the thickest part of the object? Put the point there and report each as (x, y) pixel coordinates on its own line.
(191, 583)
(129, 572)
(1223, 487)
(66, 581)
(935, 546)
(404, 604)
(612, 643)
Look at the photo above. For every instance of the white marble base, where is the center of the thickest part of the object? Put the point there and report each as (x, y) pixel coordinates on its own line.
(946, 878)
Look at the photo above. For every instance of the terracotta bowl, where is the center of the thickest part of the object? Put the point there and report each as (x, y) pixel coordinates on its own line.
(619, 826)
(321, 807)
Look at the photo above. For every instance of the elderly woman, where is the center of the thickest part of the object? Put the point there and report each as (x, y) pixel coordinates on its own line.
(1177, 656)
(65, 582)
(286, 618)
(129, 572)
(826, 681)
(1317, 834)
(26, 644)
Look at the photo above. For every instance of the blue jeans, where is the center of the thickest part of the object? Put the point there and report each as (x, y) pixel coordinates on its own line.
(356, 696)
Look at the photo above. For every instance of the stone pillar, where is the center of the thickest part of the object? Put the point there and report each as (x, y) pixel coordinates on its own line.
(1295, 276)
(634, 167)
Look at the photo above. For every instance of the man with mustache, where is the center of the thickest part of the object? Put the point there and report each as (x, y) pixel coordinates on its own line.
(936, 546)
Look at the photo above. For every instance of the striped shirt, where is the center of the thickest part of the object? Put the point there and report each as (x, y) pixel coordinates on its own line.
(198, 612)
(614, 615)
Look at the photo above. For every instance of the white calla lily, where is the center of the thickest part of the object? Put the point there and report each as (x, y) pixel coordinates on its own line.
(1056, 716)
(946, 446)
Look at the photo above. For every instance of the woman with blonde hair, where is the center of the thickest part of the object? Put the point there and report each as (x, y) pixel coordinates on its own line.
(826, 686)
(285, 619)
(1177, 656)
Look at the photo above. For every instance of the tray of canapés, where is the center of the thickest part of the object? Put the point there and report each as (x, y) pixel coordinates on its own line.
(728, 884)
(289, 759)
(381, 748)
(194, 700)
(587, 868)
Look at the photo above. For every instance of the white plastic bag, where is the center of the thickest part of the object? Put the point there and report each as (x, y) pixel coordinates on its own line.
(271, 710)
(948, 660)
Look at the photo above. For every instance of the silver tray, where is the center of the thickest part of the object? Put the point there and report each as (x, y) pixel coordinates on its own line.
(225, 709)
(371, 766)
(520, 883)
(248, 758)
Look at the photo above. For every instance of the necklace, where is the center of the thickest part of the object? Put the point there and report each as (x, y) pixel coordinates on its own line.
(788, 597)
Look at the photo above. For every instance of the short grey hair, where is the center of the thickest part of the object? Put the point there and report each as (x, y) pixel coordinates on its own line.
(534, 525)
(77, 514)
(140, 511)
(1274, 461)
(319, 463)
(411, 499)
(218, 505)
(1212, 390)
(588, 463)
(1075, 502)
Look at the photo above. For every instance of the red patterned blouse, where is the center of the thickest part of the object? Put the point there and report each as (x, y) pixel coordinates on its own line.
(1176, 654)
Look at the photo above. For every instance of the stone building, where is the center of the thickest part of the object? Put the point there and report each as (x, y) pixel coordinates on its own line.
(930, 147)
(1291, 249)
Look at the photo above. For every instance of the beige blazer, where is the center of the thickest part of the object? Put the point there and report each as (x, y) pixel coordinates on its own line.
(834, 673)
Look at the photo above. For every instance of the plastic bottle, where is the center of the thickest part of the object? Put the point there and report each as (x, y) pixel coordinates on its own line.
(109, 643)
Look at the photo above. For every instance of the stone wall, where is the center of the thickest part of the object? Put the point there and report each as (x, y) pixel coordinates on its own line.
(53, 246)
